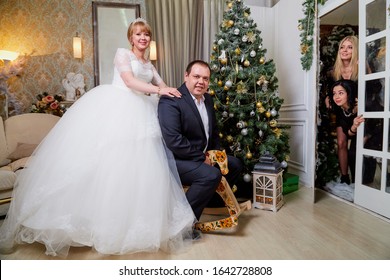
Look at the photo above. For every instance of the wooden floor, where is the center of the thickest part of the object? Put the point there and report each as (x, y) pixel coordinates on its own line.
(329, 229)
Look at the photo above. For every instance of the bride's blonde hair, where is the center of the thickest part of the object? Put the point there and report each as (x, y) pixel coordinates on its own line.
(145, 27)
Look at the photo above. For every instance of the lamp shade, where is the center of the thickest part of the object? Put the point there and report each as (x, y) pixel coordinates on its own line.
(153, 51)
(8, 55)
(77, 51)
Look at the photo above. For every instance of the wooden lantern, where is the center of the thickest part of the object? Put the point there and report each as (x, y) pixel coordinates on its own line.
(268, 184)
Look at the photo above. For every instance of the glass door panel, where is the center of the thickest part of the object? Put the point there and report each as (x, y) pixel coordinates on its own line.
(373, 151)
(375, 17)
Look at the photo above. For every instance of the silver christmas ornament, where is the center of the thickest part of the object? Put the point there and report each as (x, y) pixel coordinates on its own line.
(228, 83)
(274, 112)
(244, 132)
(231, 115)
(253, 54)
(236, 31)
(252, 113)
(225, 114)
(247, 178)
(283, 164)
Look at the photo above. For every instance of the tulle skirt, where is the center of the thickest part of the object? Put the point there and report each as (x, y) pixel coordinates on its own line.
(101, 178)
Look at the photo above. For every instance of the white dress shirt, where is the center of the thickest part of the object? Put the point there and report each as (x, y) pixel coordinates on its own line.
(203, 114)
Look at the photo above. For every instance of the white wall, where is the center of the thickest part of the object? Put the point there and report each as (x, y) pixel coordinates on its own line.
(279, 27)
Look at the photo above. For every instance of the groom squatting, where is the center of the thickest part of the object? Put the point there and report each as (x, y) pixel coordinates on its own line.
(189, 128)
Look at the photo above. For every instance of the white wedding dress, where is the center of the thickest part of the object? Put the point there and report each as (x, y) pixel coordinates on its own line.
(102, 177)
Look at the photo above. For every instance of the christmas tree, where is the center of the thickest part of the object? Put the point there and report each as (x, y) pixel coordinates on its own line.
(245, 91)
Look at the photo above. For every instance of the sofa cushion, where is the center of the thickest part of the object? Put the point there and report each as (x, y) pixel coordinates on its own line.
(28, 128)
(7, 179)
(5, 162)
(18, 164)
(22, 150)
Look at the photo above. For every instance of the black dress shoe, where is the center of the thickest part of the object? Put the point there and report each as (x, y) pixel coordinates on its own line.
(345, 179)
(196, 235)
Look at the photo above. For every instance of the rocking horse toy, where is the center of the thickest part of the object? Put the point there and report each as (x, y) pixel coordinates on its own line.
(233, 208)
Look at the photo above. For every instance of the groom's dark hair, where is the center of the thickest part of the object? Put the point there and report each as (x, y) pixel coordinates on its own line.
(192, 63)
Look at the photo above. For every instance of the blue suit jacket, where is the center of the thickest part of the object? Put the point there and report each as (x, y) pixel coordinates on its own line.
(183, 130)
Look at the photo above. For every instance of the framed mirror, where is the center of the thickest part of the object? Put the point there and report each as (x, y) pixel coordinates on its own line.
(110, 24)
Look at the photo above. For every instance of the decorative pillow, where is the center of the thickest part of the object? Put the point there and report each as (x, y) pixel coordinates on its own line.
(22, 150)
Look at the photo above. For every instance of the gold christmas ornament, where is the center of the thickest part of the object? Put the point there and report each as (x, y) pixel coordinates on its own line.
(249, 155)
(220, 135)
(277, 132)
(227, 98)
(214, 47)
(273, 123)
(300, 27)
(262, 60)
(261, 80)
(259, 104)
(268, 114)
(220, 83)
(246, 63)
(212, 92)
(251, 36)
(230, 5)
(246, 14)
(229, 138)
(225, 88)
(304, 48)
(223, 60)
(237, 51)
(241, 88)
(261, 110)
(230, 23)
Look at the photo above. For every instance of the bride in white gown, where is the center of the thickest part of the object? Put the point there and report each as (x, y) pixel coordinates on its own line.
(102, 177)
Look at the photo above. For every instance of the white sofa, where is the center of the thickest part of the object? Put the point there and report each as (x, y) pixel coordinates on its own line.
(19, 136)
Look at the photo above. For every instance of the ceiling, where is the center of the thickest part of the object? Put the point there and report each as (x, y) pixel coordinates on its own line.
(345, 14)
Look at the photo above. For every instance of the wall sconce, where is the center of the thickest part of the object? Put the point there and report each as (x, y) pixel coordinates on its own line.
(77, 51)
(153, 51)
(8, 55)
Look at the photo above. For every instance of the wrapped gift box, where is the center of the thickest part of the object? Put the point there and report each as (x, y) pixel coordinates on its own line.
(290, 183)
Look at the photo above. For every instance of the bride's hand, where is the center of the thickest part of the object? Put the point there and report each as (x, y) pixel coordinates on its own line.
(169, 91)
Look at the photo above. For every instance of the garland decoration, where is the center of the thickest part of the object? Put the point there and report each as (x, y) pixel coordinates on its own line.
(306, 27)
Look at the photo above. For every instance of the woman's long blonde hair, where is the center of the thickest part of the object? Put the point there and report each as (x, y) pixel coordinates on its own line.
(338, 65)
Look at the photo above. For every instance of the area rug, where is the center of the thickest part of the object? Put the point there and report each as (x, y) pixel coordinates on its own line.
(341, 190)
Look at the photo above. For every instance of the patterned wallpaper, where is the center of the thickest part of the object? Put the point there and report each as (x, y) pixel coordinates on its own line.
(44, 29)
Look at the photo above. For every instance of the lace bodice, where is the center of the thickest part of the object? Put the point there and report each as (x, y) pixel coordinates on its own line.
(125, 60)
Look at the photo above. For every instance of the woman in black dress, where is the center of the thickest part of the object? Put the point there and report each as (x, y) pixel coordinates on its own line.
(343, 99)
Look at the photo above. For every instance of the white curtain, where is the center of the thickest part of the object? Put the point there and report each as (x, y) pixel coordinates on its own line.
(213, 15)
(183, 31)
